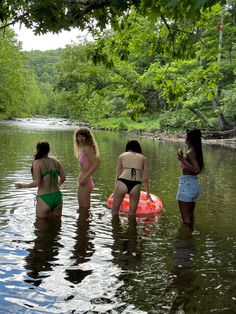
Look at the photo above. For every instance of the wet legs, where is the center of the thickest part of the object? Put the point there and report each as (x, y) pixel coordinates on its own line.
(187, 211)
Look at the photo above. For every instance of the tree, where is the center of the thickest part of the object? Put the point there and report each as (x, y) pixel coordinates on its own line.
(83, 84)
(44, 64)
(140, 74)
(19, 92)
(53, 16)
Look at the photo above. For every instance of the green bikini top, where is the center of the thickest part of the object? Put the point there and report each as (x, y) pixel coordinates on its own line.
(53, 173)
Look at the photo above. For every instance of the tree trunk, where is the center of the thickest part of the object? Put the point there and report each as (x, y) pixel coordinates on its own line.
(202, 117)
(223, 124)
(219, 134)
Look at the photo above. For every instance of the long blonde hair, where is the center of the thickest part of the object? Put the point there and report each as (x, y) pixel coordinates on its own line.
(89, 141)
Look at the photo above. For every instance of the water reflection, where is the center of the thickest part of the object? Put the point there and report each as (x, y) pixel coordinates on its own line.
(124, 249)
(134, 268)
(184, 273)
(42, 256)
(83, 248)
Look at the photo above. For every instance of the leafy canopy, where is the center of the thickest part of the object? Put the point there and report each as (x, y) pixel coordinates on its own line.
(56, 15)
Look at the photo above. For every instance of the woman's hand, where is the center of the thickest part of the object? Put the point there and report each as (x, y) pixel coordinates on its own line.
(149, 198)
(83, 181)
(180, 154)
(19, 185)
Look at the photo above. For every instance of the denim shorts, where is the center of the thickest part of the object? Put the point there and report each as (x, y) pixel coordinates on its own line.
(188, 189)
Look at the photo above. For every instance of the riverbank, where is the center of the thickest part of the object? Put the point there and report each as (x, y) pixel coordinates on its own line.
(152, 130)
(173, 137)
(60, 123)
(178, 137)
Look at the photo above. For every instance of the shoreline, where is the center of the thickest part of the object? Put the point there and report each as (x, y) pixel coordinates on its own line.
(222, 142)
(61, 123)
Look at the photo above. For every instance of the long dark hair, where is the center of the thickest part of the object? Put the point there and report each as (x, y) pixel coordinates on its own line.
(42, 149)
(134, 146)
(194, 137)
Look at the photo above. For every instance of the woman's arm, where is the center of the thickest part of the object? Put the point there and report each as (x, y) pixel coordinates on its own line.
(62, 176)
(146, 178)
(119, 167)
(190, 162)
(36, 175)
(94, 162)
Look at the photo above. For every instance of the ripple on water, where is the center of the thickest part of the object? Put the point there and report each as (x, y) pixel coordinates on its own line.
(91, 263)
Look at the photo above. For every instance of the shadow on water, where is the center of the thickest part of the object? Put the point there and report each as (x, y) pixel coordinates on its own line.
(124, 249)
(183, 285)
(83, 248)
(92, 263)
(43, 256)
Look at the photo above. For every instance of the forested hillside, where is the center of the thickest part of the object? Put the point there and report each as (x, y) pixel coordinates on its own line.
(44, 64)
(145, 74)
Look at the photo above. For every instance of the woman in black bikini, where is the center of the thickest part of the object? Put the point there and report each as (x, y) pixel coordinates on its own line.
(131, 169)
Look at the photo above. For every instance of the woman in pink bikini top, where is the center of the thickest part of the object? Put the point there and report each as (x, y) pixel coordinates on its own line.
(191, 164)
(87, 154)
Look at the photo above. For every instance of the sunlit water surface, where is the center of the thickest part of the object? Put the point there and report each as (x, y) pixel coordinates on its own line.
(90, 263)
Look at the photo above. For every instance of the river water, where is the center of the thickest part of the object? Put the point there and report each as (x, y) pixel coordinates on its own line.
(91, 263)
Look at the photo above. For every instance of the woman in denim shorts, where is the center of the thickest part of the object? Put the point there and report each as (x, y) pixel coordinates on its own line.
(191, 164)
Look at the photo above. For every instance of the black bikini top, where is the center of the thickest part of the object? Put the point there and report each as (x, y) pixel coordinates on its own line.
(133, 172)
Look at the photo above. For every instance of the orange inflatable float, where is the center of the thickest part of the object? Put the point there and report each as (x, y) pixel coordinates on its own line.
(144, 206)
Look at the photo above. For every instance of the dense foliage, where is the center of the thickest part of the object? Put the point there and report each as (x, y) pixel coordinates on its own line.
(19, 91)
(139, 70)
(44, 64)
(56, 15)
(160, 72)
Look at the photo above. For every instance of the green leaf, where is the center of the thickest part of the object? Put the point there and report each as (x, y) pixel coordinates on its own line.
(172, 3)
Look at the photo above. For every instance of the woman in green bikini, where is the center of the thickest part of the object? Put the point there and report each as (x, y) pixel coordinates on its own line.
(48, 176)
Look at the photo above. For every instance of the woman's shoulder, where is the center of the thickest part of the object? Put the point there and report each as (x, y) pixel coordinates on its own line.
(53, 161)
(127, 155)
(52, 158)
(140, 156)
(124, 154)
(37, 164)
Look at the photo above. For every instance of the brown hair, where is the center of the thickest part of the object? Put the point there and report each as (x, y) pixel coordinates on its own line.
(42, 149)
(89, 141)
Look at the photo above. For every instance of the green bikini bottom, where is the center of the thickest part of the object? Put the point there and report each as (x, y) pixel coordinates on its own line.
(53, 199)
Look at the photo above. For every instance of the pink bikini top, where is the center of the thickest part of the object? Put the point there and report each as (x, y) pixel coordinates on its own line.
(182, 165)
(82, 159)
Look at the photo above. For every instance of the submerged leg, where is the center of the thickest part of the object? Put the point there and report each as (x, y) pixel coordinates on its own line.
(187, 211)
(84, 195)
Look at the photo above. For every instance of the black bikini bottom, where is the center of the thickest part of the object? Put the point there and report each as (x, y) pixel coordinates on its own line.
(129, 184)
